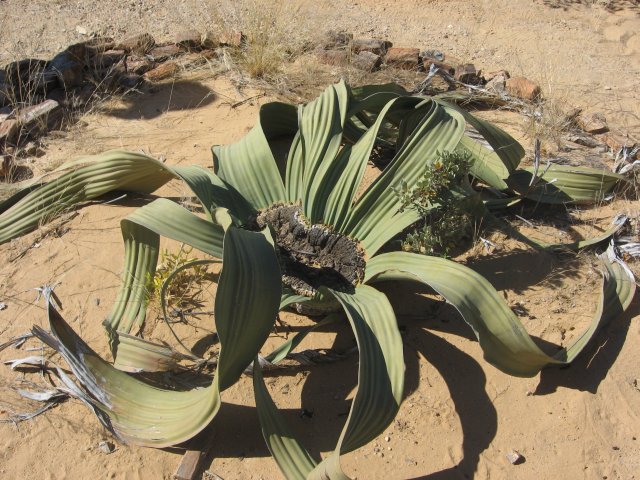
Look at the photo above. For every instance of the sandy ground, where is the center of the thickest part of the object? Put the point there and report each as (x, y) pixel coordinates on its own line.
(460, 416)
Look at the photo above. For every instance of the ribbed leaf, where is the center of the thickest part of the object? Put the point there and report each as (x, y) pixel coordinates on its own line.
(565, 184)
(503, 339)
(246, 306)
(136, 354)
(487, 165)
(114, 170)
(380, 387)
(372, 221)
(249, 165)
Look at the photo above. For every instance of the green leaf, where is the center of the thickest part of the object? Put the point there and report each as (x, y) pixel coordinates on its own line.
(246, 306)
(487, 165)
(114, 170)
(136, 355)
(372, 220)
(249, 165)
(503, 339)
(560, 184)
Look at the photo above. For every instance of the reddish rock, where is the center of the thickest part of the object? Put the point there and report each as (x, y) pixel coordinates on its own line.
(333, 57)
(524, 88)
(160, 54)
(189, 40)
(593, 123)
(379, 47)
(232, 39)
(403, 58)
(618, 141)
(139, 44)
(367, 61)
(165, 70)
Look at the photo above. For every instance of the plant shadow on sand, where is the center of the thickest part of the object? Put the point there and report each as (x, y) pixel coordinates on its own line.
(179, 95)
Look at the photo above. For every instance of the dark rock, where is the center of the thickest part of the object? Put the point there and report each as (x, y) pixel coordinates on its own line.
(83, 96)
(138, 65)
(27, 78)
(68, 68)
(9, 130)
(130, 80)
(160, 54)
(336, 39)
(379, 47)
(403, 58)
(189, 40)
(98, 45)
(467, 74)
(139, 44)
(5, 96)
(367, 61)
(333, 57)
(106, 59)
(59, 95)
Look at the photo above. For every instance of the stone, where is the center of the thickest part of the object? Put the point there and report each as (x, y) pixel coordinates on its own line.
(233, 38)
(524, 88)
(433, 55)
(9, 130)
(106, 59)
(428, 61)
(26, 78)
(81, 30)
(5, 96)
(160, 54)
(165, 70)
(189, 40)
(138, 65)
(68, 69)
(379, 47)
(6, 163)
(617, 141)
(106, 447)
(139, 44)
(592, 123)
(41, 117)
(515, 458)
(98, 45)
(336, 39)
(130, 80)
(195, 59)
(497, 73)
(466, 73)
(497, 84)
(209, 40)
(584, 140)
(403, 58)
(59, 95)
(333, 57)
(367, 61)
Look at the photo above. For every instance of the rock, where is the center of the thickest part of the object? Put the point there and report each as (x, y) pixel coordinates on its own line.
(189, 40)
(5, 96)
(379, 47)
(524, 88)
(138, 65)
(403, 58)
(433, 55)
(498, 73)
(41, 117)
(232, 38)
(81, 30)
(106, 447)
(59, 95)
(106, 59)
(139, 44)
(209, 40)
(195, 59)
(83, 96)
(336, 39)
(165, 70)
(26, 78)
(466, 73)
(6, 163)
(584, 140)
(333, 57)
(367, 61)
(617, 142)
(67, 67)
(497, 84)
(130, 80)
(98, 45)
(515, 458)
(160, 54)
(9, 130)
(592, 123)
(428, 61)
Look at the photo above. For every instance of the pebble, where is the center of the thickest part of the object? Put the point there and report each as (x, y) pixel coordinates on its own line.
(106, 447)
(515, 458)
(81, 30)
(387, 438)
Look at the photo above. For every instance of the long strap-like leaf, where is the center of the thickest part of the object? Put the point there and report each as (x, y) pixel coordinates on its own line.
(246, 306)
(503, 339)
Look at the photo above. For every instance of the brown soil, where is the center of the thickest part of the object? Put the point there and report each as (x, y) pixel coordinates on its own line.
(460, 416)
